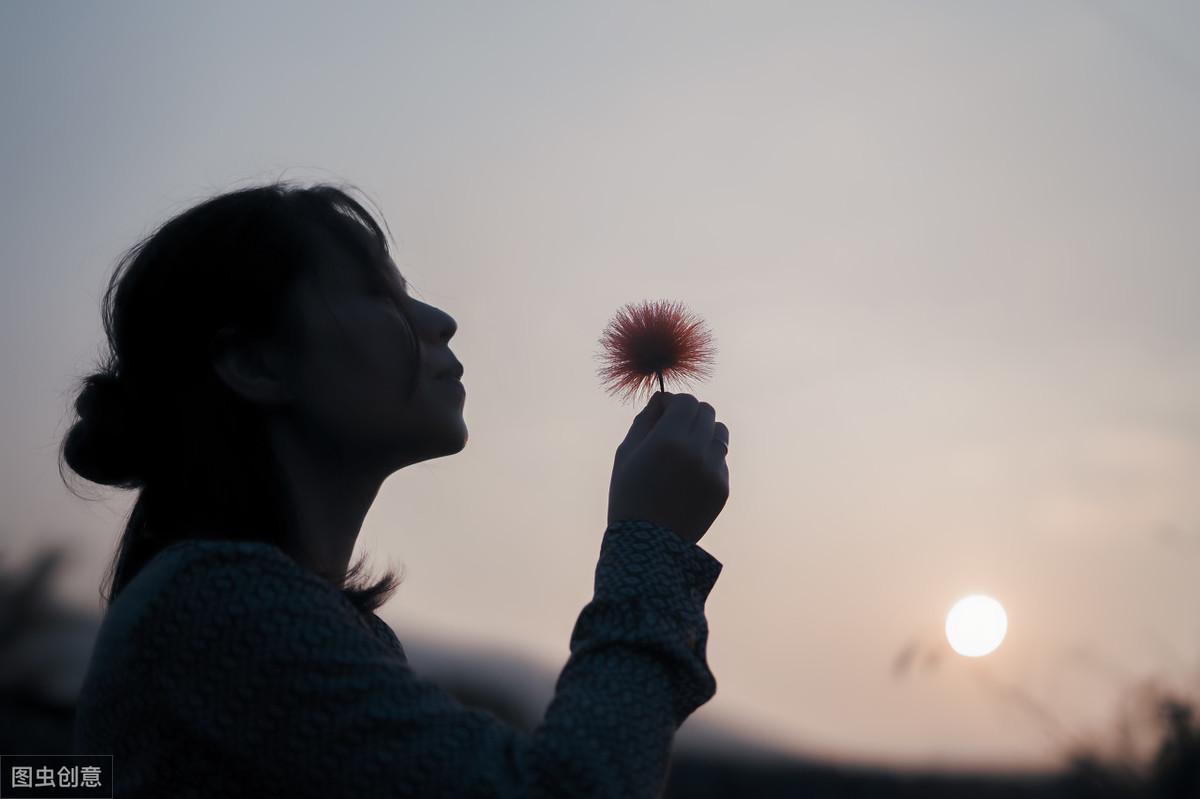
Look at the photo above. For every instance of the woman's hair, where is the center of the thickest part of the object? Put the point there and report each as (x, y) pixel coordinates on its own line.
(155, 416)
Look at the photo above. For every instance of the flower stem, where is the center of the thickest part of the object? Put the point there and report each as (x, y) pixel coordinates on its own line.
(660, 382)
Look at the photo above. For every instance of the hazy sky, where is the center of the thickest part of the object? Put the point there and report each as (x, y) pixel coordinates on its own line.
(948, 252)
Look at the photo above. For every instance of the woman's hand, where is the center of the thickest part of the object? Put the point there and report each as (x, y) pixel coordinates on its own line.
(671, 469)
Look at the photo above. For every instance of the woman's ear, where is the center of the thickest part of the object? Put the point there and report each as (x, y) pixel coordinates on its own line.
(247, 367)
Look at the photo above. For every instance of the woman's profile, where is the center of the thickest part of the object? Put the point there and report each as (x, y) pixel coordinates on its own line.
(266, 370)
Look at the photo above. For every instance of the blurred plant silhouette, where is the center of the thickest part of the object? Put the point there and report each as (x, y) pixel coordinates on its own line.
(1173, 767)
(43, 652)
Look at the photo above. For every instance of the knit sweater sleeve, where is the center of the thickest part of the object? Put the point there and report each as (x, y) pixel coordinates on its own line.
(266, 673)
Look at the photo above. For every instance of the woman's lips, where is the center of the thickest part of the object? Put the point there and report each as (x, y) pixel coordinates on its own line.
(454, 384)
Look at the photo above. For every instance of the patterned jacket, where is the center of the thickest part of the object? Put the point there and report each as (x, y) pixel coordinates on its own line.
(227, 669)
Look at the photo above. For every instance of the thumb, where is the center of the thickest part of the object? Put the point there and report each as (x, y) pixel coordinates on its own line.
(644, 422)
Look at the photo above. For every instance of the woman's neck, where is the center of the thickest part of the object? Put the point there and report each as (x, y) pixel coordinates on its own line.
(326, 504)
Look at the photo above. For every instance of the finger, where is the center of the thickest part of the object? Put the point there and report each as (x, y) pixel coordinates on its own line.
(703, 423)
(646, 419)
(720, 431)
(677, 416)
(718, 448)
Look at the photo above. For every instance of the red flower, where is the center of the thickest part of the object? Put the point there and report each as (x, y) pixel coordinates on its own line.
(651, 340)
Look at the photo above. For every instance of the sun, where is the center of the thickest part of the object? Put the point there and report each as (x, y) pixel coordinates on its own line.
(976, 625)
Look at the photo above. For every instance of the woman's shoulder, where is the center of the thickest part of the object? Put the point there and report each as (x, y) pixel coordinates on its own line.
(212, 579)
(214, 552)
(181, 559)
(200, 616)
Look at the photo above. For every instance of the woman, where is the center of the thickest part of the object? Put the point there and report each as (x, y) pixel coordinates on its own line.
(267, 371)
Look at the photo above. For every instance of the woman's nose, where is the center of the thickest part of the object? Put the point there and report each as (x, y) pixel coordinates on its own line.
(448, 326)
(433, 321)
(439, 324)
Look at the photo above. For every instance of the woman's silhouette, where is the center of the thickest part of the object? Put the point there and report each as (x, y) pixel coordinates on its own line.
(267, 370)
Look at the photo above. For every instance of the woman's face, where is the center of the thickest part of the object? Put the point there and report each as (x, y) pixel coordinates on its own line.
(349, 368)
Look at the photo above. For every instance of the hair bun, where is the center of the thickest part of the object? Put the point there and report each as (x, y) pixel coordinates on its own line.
(104, 446)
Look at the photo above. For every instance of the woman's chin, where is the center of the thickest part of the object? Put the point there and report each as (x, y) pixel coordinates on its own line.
(441, 437)
(459, 443)
(455, 439)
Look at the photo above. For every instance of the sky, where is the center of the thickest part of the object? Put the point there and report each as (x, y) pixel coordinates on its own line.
(947, 251)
